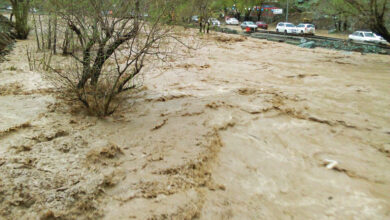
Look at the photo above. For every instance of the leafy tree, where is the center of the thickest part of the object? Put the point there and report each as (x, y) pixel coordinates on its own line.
(20, 9)
(372, 11)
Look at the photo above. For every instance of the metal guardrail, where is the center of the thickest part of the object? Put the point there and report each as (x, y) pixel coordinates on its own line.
(319, 41)
(316, 37)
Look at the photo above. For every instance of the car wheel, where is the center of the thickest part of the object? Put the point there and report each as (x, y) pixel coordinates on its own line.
(277, 30)
(301, 32)
(285, 31)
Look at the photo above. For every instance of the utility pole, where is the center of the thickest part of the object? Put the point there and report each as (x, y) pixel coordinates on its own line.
(287, 11)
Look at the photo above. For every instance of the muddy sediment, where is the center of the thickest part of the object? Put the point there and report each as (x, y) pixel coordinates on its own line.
(243, 129)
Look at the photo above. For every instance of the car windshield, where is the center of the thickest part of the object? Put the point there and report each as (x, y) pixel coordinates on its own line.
(301, 25)
(260, 22)
(290, 25)
(249, 22)
(367, 34)
(310, 25)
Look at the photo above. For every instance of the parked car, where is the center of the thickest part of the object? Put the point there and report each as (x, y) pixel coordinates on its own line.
(306, 29)
(381, 39)
(9, 8)
(366, 36)
(195, 18)
(214, 22)
(249, 24)
(232, 21)
(286, 28)
(262, 25)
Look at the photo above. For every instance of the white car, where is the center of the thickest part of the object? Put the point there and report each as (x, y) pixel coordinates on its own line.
(214, 22)
(286, 28)
(381, 39)
(195, 18)
(306, 29)
(366, 36)
(249, 24)
(9, 8)
(232, 21)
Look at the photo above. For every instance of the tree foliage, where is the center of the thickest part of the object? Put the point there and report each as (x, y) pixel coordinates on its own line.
(20, 9)
(373, 12)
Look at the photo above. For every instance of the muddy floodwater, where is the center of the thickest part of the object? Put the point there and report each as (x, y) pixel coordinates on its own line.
(239, 129)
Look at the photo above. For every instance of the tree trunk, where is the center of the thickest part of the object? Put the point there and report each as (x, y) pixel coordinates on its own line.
(259, 15)
(380, 28)
(20, 9)
(36, 32)
(378, 23)
(55, 35)
(339, 26)
(66, 43)
(238, 16)
(42, 38)
(248, 15)
(49, 33)
(100, 59)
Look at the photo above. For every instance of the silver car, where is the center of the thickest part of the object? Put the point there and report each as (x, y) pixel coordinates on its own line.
(248, 24)
(214, 22)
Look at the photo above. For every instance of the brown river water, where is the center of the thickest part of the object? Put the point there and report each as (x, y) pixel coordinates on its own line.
(240, 129)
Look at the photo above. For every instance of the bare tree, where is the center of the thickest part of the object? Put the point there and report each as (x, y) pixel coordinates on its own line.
(115, 40)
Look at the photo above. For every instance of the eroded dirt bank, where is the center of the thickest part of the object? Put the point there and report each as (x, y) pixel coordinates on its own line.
(242, 129)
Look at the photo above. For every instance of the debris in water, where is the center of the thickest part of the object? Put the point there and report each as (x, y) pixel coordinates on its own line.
(330, 164)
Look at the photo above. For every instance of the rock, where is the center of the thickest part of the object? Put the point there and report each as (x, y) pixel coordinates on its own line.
(310, 44)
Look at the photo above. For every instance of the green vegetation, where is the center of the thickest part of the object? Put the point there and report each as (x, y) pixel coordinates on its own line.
(20, 9)
(6, 35)
(4, 4)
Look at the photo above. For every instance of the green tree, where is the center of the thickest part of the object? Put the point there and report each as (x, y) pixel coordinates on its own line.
(20, 9)
(373, 12)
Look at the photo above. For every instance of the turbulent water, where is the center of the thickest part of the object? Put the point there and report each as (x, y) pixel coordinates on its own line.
(239, 129)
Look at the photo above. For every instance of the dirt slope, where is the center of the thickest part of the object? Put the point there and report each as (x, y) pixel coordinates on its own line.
(242, 129)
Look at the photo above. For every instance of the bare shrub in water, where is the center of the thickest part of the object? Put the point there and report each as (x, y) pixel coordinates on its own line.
(116, 40)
